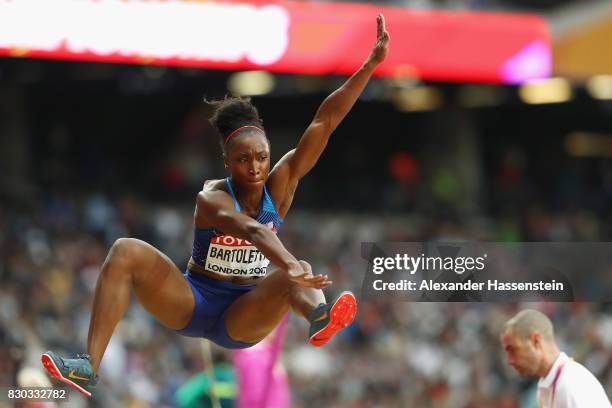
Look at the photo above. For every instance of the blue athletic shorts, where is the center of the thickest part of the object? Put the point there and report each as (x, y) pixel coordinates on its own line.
(212, 300)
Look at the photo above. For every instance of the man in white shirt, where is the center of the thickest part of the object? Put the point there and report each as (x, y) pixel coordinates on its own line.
(529, 341)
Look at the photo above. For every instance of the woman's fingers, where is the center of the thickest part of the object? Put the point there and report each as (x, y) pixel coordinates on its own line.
(314, 281)
(381, 25)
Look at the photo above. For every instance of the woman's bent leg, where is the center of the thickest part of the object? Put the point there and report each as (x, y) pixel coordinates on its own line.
(255, 314)
(158, 284)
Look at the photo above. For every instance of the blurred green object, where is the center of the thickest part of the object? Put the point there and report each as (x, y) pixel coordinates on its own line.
(195, 393)
(508, 231)
(445, 185)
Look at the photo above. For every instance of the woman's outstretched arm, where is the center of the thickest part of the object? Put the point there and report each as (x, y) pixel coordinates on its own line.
(332, 111)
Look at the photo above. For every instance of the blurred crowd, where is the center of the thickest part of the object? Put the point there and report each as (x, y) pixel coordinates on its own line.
(395, 355)
(83, 170)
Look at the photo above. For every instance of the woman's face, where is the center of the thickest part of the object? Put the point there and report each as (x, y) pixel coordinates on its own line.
(248, 159)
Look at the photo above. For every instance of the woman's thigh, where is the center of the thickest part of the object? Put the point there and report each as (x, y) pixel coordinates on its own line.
(159, 285)
(256, 313)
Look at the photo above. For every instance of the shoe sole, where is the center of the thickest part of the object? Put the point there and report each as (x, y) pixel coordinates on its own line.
(52, 369)
(341, 314)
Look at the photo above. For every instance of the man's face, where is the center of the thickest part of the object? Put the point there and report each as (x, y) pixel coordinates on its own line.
(522, 354)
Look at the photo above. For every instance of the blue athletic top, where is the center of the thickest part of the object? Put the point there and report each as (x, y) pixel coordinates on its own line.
(230, 256)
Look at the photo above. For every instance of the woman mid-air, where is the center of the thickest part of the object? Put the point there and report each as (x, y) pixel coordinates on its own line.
(230, 293)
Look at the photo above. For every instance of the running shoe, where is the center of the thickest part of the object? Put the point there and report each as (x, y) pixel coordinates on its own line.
(327, 319)
(76, 372)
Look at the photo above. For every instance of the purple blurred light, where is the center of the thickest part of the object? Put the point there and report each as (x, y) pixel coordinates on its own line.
(532, 62)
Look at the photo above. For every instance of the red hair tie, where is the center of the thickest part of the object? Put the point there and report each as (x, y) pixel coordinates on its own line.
(239, 129)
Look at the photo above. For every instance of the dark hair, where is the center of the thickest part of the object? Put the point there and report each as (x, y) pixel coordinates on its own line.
(230, 113)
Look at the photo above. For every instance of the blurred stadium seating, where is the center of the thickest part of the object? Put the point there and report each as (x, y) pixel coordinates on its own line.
(93, 152)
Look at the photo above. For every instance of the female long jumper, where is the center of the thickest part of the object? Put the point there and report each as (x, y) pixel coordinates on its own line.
(240, 280)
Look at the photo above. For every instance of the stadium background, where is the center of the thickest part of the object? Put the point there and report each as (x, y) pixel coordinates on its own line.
(93, 152)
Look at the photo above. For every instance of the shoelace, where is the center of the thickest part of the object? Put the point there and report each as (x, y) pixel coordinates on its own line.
(84, 355)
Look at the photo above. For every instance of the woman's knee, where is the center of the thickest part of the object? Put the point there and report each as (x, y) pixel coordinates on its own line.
(305, 266)
(125, 253)
(277, 281)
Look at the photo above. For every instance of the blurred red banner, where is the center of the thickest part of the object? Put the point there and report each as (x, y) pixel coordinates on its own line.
(279, 36)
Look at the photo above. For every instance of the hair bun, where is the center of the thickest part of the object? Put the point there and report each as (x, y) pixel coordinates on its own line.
(231, 113)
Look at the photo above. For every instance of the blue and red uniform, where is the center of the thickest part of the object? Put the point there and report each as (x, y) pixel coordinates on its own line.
(225, 256)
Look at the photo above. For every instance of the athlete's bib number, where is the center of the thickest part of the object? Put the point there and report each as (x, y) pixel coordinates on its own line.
(235, 257)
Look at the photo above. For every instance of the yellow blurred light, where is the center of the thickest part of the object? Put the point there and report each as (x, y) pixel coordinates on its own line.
(418, 99)
(585, 144)
(600, 86)
(553, 90)
(251, 83)
(406, 71)
(481, 96)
